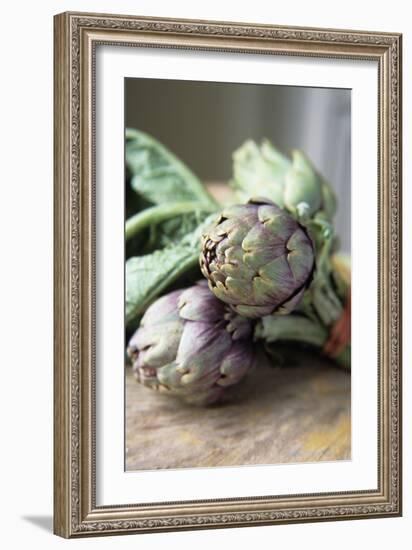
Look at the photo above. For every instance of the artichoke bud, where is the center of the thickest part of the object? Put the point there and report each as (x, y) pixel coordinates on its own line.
(257, 259)
(294, 185)
(259, 170)
(191, 345)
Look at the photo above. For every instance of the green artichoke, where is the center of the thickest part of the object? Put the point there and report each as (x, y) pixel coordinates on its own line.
(293, 184)
(258, 259)
(190, 344)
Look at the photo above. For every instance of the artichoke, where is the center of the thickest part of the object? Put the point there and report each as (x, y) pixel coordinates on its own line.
(257, 258)
(190, 344)
(293, 184)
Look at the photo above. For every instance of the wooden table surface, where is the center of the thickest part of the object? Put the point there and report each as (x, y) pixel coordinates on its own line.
(276, 415)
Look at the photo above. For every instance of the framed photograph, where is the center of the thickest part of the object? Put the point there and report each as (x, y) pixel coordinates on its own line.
(227, 274)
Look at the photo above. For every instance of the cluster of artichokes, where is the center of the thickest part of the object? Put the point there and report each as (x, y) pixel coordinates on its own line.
(270, 274)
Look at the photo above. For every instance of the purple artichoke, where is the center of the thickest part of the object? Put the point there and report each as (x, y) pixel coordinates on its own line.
(190, 344)
(258, 259)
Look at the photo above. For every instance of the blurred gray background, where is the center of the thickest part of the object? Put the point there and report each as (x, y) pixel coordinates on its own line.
(204, 122)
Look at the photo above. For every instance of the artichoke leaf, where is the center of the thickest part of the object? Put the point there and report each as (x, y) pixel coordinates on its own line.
(150, 275)
(158, 175)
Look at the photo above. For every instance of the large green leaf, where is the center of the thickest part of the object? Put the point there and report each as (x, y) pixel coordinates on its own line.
(158, 175)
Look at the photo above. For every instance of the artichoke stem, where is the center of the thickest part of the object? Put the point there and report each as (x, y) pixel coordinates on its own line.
(297, 328)
(294, 328)
(157, 214)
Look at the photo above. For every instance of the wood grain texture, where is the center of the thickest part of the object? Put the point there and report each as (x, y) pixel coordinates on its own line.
(277, 415)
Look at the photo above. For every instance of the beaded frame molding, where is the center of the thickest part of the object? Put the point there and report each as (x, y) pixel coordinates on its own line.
(76, 36)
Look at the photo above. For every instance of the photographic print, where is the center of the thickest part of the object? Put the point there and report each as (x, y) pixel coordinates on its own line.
(237, 274)
(227, 228)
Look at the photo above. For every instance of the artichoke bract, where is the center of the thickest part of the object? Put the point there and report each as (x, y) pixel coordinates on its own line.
(257, 258)
(190, 344)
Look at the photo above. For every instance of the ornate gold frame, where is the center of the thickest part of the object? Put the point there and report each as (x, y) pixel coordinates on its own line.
(75, 38)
